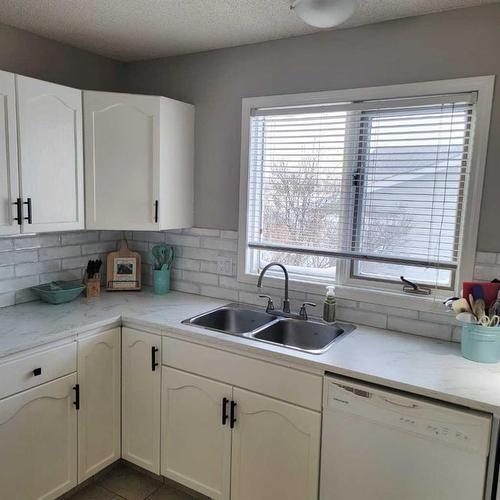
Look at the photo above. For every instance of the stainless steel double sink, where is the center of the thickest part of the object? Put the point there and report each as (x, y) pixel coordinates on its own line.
(244, 321)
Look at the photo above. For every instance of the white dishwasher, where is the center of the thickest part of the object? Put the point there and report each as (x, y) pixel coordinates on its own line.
(386, 445)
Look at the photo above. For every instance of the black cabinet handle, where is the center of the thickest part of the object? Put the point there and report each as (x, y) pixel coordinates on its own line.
(233, 414)
(156, 210)
(76, 402)
(19, 211)
(225, 416)
(154, 364)
(29, 218)
(36, 372)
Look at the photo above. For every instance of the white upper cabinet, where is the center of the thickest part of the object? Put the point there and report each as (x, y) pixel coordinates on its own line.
(139, 153)
(50, 147)
(9, 186)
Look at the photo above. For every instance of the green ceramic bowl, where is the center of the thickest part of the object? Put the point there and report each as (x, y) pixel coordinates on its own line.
(58, 292)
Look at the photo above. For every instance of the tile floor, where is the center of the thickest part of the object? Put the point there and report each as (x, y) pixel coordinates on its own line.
(123, 482)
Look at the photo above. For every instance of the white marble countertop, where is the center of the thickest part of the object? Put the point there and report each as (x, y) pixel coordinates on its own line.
(419, 365)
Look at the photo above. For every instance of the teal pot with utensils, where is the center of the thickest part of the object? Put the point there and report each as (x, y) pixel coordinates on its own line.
(161, 281)
(481, 343)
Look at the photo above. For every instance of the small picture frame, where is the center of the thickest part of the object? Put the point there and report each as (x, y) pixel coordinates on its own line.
(123, 269)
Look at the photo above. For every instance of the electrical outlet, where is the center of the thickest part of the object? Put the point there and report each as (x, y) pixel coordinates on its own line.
(224, 265)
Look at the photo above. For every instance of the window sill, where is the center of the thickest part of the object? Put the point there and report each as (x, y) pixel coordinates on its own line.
(382, 297)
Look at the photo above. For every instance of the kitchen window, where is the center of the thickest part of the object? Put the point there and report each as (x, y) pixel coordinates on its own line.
(361, 187)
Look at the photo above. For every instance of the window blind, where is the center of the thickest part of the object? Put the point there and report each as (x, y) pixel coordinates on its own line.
(379, 180)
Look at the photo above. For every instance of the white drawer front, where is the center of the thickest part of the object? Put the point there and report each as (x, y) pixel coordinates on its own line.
(278, 381)
(20, 374)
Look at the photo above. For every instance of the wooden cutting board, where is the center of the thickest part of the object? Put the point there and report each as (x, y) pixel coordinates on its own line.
(123, 270)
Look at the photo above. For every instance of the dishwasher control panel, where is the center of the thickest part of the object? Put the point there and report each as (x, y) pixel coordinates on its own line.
(455, 426)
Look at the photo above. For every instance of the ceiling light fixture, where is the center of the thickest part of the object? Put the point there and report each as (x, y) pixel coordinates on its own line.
(324, 13)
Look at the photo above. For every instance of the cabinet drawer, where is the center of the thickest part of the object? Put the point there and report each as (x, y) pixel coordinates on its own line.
(278, 381)
(36, 369)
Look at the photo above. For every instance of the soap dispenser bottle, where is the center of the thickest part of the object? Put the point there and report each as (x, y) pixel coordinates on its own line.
(329, 305)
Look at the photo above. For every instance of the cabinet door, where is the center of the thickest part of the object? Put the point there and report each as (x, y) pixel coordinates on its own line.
(141, 393)
(196, 447)
(50, 154)
(122, 160)
(99, 377)
(9, 184)
(275, 450)
(38, 446)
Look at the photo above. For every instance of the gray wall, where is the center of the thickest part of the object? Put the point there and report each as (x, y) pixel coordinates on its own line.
(31, 55)
(453, 44)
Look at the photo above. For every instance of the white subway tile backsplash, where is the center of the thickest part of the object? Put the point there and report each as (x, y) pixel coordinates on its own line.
(219, 293)
(111, 235)
(219, 244)
(18, 257)
(486, 272)
(7, 299)
(59, 252)
(187, 264)
(42, 240)
(76, 262)
(197, 231)
(486, 258)
(149, 236)
(102, 247)
(29, 260)
(377, 320)
(33, 259)
(393, 311)
(6, 244)
(79, 237)
(183, 240)
(6, 272)
(13, 284)
(201, 278)
(229, 235)
(183, 286)
(208, 266)
(418, 327)
(442, 319)
(34, 268)
(66, 275)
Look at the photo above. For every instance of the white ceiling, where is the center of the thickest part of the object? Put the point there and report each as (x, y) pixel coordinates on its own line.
(131, 30)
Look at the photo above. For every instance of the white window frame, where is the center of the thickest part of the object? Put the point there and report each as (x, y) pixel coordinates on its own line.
(378, 292)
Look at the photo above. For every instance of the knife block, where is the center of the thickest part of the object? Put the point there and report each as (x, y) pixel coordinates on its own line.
(93, 286)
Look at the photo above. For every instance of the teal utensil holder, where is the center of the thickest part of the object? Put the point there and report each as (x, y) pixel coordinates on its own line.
(161, 281)
(481, 343)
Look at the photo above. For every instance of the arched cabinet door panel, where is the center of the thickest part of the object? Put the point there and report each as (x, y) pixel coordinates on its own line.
(141, 396)
(50, 146)
(196, 446)
(139, 153)
(275, 449)
(99, 417)
(38, 442)
(9, 184)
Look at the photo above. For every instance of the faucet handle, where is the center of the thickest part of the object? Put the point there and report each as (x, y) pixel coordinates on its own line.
(270, 304)
(303, 311)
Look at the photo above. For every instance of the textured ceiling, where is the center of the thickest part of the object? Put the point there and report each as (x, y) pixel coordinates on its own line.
(131, 30)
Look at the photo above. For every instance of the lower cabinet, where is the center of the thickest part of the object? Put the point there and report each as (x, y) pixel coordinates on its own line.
(99, 422)
(275, 449)
(38, 442)
(141, 393)
(196, 434)
(227, 442)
